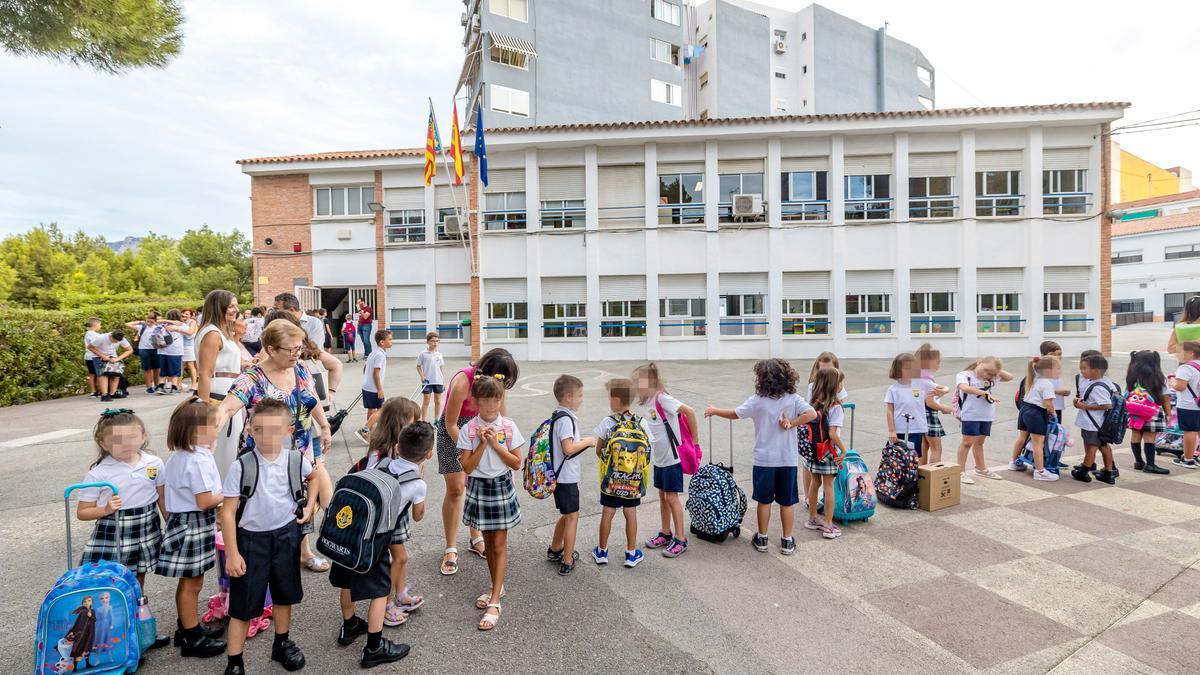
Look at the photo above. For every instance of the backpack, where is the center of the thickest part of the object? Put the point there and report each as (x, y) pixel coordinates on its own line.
(854, 490)
(1020, 396)
(540, 477)
(161, 338)
(1112, 428)
(625, 459)
(60, 622)
(686, 449)
(361, 464)
(815, 445)
(1141, 407)
(296, 483)
(364, 505)
(896, 479)
(1052, 448)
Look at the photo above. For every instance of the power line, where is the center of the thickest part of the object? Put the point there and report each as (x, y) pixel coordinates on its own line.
(1149, 125)
(1156, 119)
(1139, 131)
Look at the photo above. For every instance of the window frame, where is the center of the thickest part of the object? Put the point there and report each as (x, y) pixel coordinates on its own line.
(673, 12)
(507, 9)
(672, 52)
(994, 204)
(1138, 306)
(450, 329)
(929, 321)
(563, 214)
(681, 213)
(1056, 316)
(745, 322)
(802, 313)
(793, 208)
(494, 100)
(344, 190)
(564, 320)
(625, 323)
(407, 232)
(869, 320)
(873, 206)
(1127, 257)
(1059, 202)
(510, 216)
(725, 208)
(512, 325)
(933, 205)
(667, 89)
(683, 325)
(408, 329)
(1007, 321)
(508, 57)
(1181, 252)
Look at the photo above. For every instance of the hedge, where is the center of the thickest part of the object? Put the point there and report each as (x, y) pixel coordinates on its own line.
(41, 351)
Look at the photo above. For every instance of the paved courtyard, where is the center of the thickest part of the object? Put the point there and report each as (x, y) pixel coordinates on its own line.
(1021, 577)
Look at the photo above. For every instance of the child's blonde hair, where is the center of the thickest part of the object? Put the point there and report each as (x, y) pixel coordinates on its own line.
(825, 389)
(987, 359)
(823, 357)
(1039, 364)
(898, 365)
(109, 420)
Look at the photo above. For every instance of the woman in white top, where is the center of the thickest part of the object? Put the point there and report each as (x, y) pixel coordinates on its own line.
(188, 331)
(220, 363)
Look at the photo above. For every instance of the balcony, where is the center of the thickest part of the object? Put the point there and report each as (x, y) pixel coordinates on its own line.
(813, 209)
(932, 207)
(998, 206)
(1066, 203)
(879, 208)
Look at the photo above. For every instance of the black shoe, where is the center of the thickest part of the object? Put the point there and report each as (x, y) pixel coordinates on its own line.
(212, 632)
(1105, 476)
(1138, 465)
(760, 542)
(1084, 467)
(347, 636)
(106, 398)
(161, 641)
(1081, 474)
(289, 655)
(239, 669)
(565, 568)
(201, 646)
(94, 394)
(1116, 472)
(553, 556)
(388, 652)
(1154, 468)
(787, 546)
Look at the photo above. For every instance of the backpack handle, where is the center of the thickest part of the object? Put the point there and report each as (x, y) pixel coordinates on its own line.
(67, 507)
(712, 440)
(851, 407)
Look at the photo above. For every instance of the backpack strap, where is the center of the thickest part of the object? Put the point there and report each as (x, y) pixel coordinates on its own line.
(296, 477)
(1195, 366)
(554, 418)
(662, 414)
(249, 462)
(406, 477)
(1088, 393)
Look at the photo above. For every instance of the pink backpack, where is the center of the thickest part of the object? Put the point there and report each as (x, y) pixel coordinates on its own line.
(686, 448)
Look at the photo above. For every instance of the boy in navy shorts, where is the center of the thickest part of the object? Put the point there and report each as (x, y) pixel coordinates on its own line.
(620, 399)
(372, 387)
(568, 391)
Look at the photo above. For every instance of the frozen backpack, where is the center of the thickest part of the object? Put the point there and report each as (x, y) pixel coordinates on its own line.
(538, 472)
(1052, 448)
(625, 459)
(686, 449)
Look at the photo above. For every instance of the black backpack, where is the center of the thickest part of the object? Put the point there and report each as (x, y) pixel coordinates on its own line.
(296, 482)
(1112, 428)
(365, 504)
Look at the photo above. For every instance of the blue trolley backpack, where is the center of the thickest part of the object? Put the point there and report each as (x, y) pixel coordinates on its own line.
(88, 621)
(854, 488)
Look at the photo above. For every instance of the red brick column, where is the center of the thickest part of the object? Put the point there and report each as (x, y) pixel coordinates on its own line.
(280, 210)
(1105, 317)
(473, 224)
(381, 308)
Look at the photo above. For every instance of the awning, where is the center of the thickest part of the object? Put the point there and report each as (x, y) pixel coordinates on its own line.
(515, 44)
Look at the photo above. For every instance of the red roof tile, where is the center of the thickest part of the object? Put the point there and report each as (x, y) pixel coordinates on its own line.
(1175, 221)
(344, 154)
(1164, 199)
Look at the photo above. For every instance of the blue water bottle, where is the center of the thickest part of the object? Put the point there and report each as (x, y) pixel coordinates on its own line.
(147, 627)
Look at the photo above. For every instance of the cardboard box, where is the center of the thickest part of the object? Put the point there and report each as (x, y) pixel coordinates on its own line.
(938, 486)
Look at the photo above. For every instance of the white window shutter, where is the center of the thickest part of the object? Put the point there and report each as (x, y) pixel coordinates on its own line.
(789, 164)
(998, 160)
(622, 288)
(1068, 279)
(726, 166)
(561, 183)
(504, 290)
(999, 280)
(929, 164)
(861, 282)
(933, 281)
(564, 290)
(404, 198)
(506, 180)
(454, 297)
(806, 285)
(622, 186)
(405, 296)
(443, 198)
(1065, 158)
(743, 283)
(680, 167)
(682, 286)
(867, 165)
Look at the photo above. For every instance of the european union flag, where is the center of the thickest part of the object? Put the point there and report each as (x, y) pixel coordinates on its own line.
(480, 146)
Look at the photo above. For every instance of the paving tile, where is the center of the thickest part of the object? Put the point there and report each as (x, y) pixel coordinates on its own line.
(1192, 610)
(1020, 530)
(1097, 659)
(1182, 475)
(1173, 543)
(1189, 525)
(1012, 490)
(1060, 593)
(1181, 591)
(885, 516)
(1163, 642)
(948, 546)
(1065, 485)
(1085, 517)
(1145, 610)
(1040, 661)
(980, 627)
(1131, 569)
(1158, 509)
(859, 567)
(965, 503)
(1180, 491)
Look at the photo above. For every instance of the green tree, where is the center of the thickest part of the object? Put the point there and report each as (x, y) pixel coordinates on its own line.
(8, 281)
(111, 36)
(217, 260)
(41, 266)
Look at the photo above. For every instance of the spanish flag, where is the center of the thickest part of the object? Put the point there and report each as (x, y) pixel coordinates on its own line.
(433, 145)
(456, 148)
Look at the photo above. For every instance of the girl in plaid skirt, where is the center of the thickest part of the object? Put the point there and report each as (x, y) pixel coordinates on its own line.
(1145, 371)
(822, 460)
(930, 361)
(189, 548)
(491, 450)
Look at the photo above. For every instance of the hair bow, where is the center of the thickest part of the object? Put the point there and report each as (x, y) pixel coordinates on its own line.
(113, 412)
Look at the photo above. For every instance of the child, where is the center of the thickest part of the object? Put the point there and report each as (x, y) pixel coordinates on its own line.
(664, 415)
(429, 369)
(262, 536)
(91, 359)
(397, 412)
(568, 391)
(372, 387)
(620, 399)
(490, 452)
(824, 360)
(820, 471)
(147, 353)
(977, 409)
(1187, 383)
(907, 401)
(349, 332)
(1037, 409)
(1095, 396)
(930, 361)
(193, 492)
(775, 456)
(1047, 348)
(413, 448)
(1145, 371)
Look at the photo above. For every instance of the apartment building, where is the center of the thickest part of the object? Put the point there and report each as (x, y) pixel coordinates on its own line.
(1155, 244)
(978, 229)
(640, 60)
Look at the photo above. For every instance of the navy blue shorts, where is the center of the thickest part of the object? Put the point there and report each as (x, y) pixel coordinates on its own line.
(669, 478)
(776, 484)
(170, 366)
(1189, 420)
(148, 358)
(914, 440)
(1034, 418)
(95, 366)
(618, 503)
(976, 428)
(371, 400)
(433, 389)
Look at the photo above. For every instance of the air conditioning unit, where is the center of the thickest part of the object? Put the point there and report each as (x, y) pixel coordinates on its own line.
(456, 224)
(747, 205)
(343, 233)
(780, 46)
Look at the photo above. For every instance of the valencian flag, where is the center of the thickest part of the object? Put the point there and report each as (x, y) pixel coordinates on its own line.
(433, 145)
(456, 148)
(480, 147)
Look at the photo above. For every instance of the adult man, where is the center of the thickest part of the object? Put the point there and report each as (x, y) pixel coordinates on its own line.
(105, 348)
(366, 321)
(315, 329)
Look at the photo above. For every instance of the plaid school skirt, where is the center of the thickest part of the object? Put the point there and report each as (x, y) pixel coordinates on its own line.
(131, 537)
(401, 534)
(936, 430)
(189, 547)
(491, 503)
(1157, 425)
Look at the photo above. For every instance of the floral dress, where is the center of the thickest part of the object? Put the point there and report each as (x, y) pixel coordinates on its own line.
(253, 386)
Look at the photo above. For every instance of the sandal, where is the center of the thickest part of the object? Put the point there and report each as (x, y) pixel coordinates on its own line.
(489, 620)
(407, 602)
(316, 564)
(482, 601)
(479, 552)
(450, 567)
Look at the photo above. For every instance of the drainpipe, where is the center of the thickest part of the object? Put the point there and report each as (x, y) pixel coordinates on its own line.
(881, 66)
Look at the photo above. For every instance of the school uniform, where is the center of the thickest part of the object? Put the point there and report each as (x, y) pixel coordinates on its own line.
(1186, 407)
(976, 412)
(189, 547)
(431, 364)
(664, 457)
(170, 358)
(411, 494)
(1089, 421)
(602, 432)
(1034, 417)
(89, 358)
(775, 454)
(370, 394)
(933, 418)
(268, 537)
(491, 502)
(146, 352)
(566, 472)
(109, 348)
(131, 536)
(1059, 400)
(835, 417)
(908, 410)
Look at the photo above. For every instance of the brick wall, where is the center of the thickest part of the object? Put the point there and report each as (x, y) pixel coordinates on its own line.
(472, 172)
(280, 210)
(1105, 318)
(381, 304)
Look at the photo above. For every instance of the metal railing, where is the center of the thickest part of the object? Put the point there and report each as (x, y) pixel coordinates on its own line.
(810, 209)
(932, 207)
(879, 208)
(744, 327)
(409, 332)
(680, 214)
(870, 326)
(1128, 318)
(1065, 324)
(925, 324)
(995, 206)
(999, 324)
(798, 326)
(1066, 203)
(504, 220)
(563, 218)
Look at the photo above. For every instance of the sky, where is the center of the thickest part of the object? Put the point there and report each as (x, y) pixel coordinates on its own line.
(154, 150)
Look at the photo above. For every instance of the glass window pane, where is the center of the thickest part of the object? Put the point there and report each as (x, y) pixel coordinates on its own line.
(856, 187)
(916, 303)
(752, 183)
(942, 303)
(853, 304)
(803, 184)
(729, 186)
(323, 202)
(668, 189)
(917, 187)
(339, 202)
(881, 186)
(941, 186)
(493, 202)
(368, 196)
(693, 188)
(516, 201)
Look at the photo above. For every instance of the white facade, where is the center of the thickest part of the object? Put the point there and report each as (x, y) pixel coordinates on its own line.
(1155, 270)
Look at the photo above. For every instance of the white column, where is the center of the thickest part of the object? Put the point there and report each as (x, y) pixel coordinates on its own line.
(903, 254)
(431, 309)
(653, 348)
(533, 254)
(712, 249)
(837, 273)
(775, 252)
(1035, 271)
(591, 205)
(968, 274)
(430, 214)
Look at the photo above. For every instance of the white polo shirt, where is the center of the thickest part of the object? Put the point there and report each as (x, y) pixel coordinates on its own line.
(661, 454)
(412, 492)
(431, 366)
(107, 347)
(137, 483)
(88, 339)
(490, 465)
(314, 328)
(566, 427)
(271, 507)
(1099, 396)
(189, 474)
(1042, 389)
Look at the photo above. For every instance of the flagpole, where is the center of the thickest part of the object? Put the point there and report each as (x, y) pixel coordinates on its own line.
(467, 241)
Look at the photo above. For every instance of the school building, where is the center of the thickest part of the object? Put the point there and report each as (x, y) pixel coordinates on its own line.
(981, 230)
(1155, 244)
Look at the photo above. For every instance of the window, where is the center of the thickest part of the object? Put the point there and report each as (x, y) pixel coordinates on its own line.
(703, 80)
(665, 92)
(449, 325)
(405, 226)
(933, 313)
(1065, 312)
(664, 51)
(343, 201)
(507, 321)
(998, 313)
(513, 9)
(1064, 192)
(1180, 252)
(869, 313)
(665, 11)
(504, 211)
(561, 214)
(407, 323)
(623, 318)
(1126, 257)
(931, 197)
(683, 317)
(731, 184)
(925, 75)
(563, 320)
(1128, 306)
(743, 315)
(780, 75)
(806, 317)
(681, 198)
(511, 101)
(868, 197)
(997, 193)
(926, 102)
(780, 105)
(805, 196)
(509, 57)
(441, 224)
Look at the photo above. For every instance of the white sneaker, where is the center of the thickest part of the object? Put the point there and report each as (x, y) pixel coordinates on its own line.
(988, 473)
(1044, 475)
(1016, 466)
(967, 480)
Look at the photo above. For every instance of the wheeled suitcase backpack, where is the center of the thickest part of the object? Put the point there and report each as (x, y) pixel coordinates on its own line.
(715, 501)
(896, 480)
(854, 488)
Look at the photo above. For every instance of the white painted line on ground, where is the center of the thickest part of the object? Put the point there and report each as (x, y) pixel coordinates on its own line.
(32, 440)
